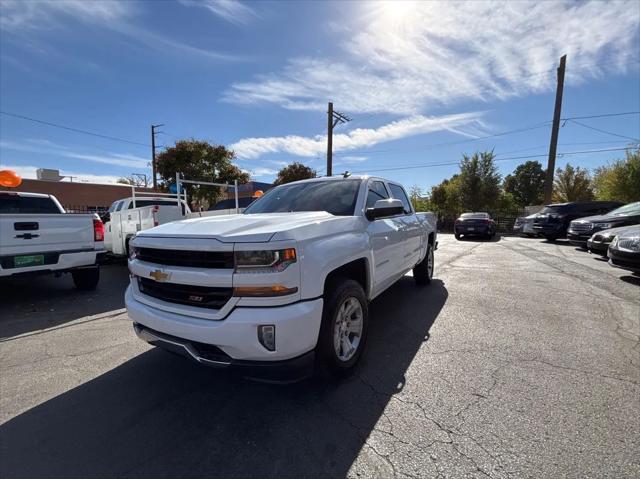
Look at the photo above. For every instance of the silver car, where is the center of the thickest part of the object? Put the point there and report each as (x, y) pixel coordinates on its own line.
(524, 226)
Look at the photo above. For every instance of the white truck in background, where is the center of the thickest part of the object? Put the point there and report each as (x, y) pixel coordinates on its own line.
(37, 236)
(139, 212)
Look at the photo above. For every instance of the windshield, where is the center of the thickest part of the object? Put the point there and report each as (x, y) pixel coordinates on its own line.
(552, 209)
(626, 210)
(337, 197)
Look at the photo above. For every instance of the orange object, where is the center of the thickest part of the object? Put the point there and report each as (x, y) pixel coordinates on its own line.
(10, 179)
(258, 194)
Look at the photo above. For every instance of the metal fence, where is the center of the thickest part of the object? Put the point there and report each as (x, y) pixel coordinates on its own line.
(85, 209)
(504, 221)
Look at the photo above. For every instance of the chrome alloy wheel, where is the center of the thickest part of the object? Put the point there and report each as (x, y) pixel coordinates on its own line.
(347, 330)
(430, 263)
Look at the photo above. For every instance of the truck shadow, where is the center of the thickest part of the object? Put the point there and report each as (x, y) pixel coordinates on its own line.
(157, 415)
(39, 302)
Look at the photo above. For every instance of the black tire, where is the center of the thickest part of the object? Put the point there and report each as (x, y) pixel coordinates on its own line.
(422, 274)
(337, 294)
(550, 238)
(456, 235)
(86, 279)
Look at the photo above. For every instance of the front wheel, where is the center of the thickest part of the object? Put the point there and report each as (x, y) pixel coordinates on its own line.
(423, 271)
(86, 279)
(457, 235)
(550, 238)
(343, 333)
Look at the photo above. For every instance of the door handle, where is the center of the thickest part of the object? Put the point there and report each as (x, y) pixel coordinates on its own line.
(27, 236)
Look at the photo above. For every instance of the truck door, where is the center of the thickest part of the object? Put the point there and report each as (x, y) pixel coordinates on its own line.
(387, 238)
(414, 237)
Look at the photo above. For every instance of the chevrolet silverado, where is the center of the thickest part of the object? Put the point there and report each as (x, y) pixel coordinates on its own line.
(284, 288)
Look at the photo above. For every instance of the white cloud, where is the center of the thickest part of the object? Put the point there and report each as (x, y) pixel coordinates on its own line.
(22, 17)
(116, 159)
(230, 10)
(261, 172)
(249, 148)
(30, 172)
(405, 58)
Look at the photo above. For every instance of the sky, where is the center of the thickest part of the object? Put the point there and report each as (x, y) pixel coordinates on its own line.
(422, 82)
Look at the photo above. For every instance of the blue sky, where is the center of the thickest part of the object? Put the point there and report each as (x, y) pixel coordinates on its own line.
(421, 81)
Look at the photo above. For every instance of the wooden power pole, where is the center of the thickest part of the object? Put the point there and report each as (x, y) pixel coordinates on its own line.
(153, 155)
(333, 118)
(551, 164)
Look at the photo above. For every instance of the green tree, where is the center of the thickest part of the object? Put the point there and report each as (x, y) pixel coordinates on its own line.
(444, 198)
(419, 202)
(619, 180)
(526, 184)
(199, 160)
(572, 184)
(479, 181)
(294, 172)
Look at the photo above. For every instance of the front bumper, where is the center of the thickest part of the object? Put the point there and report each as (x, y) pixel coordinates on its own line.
(297, 327)
(579, 239)
(599, 247)
(557, 230)
(625, 260)
(286, 371)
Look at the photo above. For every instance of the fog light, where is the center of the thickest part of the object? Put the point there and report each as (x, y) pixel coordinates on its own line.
(267, 336)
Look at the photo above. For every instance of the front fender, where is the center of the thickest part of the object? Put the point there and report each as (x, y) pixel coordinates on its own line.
(324, 255)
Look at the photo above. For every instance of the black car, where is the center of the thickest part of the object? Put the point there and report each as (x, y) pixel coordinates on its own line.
(553, 221)
(600, 241)
(624, 251)
(582, 229)
(474, 224)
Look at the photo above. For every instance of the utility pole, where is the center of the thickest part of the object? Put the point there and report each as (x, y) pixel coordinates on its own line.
(333, 118)
(153, 154)
(551, 163)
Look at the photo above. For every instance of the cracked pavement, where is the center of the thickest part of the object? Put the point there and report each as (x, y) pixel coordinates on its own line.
(520, 360)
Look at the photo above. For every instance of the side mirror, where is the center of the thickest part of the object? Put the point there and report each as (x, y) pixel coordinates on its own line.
(384, 209)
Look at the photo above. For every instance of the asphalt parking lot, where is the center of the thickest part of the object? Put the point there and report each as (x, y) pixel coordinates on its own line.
(520, 360)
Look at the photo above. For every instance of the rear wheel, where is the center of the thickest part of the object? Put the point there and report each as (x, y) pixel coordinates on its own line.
(423, 271)
(86, 279)
(457, 235)
(343, 332)
(550, 238)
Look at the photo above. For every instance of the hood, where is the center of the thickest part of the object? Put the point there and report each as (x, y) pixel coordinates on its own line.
(618, 231)
(607, 219)
(256, 228)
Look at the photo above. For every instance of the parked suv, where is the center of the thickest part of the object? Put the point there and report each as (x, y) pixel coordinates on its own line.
(553, 221)
(582, 229)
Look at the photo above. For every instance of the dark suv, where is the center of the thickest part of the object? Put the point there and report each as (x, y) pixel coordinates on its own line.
(553, 221)
(582, 229)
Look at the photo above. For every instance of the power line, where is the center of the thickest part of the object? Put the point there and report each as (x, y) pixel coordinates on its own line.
(604, 115)
(603, 131)
(76, 130)
(432, 165)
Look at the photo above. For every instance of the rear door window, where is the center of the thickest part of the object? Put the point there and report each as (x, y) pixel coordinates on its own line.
(398, 193)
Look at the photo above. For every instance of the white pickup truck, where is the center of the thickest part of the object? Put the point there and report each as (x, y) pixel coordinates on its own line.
(37, 236)
(285, 286)
(129, 216)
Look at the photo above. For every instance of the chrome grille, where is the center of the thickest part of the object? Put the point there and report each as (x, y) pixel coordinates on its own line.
(630, 244)
(581, 227)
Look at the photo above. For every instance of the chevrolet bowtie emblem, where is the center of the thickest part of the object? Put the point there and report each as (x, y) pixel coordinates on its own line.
(159, 275)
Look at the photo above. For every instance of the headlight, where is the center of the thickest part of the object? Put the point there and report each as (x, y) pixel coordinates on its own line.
(133, 252)
(267, 261)
(604, 226)
(614, 243)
